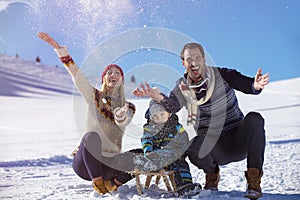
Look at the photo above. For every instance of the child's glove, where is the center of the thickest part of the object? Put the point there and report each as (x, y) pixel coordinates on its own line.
(143, 163)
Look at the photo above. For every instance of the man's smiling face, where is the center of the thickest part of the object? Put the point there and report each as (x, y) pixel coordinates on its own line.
(194, 62)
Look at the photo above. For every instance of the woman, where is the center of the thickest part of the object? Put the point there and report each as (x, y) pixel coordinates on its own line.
(108, 115)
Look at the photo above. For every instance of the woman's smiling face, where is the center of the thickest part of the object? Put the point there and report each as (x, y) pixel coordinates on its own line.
(113, 77)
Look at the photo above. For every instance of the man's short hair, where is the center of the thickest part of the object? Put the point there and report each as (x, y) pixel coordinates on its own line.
(191, 45)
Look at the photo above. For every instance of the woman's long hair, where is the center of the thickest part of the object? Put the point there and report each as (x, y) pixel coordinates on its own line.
(118, 94)
(107, 101)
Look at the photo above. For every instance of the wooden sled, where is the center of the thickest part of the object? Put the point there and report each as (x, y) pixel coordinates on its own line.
(168, 176)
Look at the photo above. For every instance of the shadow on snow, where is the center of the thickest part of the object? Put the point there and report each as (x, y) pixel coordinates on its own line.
(39, 162)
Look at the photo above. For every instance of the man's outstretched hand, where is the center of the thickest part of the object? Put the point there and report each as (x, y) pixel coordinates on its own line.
(260, 80)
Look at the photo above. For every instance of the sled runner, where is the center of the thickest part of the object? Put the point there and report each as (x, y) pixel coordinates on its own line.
(168, 176)
(187, 190)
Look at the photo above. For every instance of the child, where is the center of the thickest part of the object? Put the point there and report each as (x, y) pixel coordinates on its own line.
(163, 133)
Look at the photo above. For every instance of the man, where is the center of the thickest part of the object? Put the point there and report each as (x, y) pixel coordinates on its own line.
(224, 134)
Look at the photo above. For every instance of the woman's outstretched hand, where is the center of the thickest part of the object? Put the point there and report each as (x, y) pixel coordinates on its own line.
(47, 38)
(147, 91)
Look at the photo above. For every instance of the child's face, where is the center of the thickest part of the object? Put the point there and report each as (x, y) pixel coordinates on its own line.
(160, 117)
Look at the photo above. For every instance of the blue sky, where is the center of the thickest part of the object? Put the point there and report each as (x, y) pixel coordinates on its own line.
(239, 34)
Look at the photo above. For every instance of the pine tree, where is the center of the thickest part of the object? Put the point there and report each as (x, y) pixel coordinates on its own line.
(38, 60)
(133, 79)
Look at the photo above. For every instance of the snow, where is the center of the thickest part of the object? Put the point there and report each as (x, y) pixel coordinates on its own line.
(38, 132)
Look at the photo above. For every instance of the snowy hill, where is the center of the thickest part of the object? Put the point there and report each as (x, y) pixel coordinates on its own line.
(26, 78)
(38, 132)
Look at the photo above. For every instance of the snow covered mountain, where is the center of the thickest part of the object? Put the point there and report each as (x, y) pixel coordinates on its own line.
(38, 132)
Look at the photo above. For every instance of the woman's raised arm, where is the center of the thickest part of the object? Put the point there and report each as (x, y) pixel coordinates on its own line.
(78, 78)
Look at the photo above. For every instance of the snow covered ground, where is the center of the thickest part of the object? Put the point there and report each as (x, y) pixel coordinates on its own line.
(38, 132)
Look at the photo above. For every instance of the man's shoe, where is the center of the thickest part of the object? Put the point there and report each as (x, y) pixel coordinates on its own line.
(212, 180)
(253, 177)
